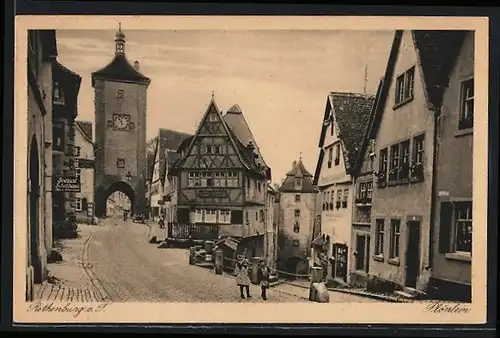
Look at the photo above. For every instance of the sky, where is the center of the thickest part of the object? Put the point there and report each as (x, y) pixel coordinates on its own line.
(279, 78)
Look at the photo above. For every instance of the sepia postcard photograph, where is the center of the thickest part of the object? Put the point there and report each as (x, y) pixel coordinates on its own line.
(236, 169)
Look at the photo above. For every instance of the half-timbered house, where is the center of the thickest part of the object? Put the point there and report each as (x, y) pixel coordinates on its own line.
(221, 182)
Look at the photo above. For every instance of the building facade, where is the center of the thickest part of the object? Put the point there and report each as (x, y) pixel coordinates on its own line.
(84, 154)
(42, 53)
(344, 124)
(221, 182)
(271, 229)
(120, 93)
(166, 144)
(452, 254)
(402, 210)
(66, 86)
(297, 213)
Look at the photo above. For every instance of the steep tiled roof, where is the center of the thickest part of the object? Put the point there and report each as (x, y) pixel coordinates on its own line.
(352, 115)
(298, 171)
(437, 50)
(86, 128)
(168, 140)
(235, 120)
(120, 69)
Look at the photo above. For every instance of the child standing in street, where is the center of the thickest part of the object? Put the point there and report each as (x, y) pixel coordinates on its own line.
(263, 276)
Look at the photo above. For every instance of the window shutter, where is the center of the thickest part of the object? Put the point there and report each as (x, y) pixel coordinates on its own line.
(84, 204)
(236, 217)
(183, 215)
(445, 226)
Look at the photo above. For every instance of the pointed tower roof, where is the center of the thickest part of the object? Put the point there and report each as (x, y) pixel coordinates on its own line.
(298, 171)
(120, 69)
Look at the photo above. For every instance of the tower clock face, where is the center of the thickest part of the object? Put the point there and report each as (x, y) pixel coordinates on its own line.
(121, 122)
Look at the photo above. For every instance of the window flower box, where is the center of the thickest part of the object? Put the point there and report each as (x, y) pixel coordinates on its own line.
(417, 172)
(381, 179)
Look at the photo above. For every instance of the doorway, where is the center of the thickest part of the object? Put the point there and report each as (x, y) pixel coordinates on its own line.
(413, 254)
(34, 192)
(339, 270)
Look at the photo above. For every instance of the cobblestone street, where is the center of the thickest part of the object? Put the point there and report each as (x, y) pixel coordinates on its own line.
(115, 262)
(131, 269)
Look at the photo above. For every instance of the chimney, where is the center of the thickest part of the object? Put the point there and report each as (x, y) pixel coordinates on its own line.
(294, 165)
(136, 65)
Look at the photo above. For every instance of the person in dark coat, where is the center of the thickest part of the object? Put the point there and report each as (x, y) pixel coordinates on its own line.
(263, 275)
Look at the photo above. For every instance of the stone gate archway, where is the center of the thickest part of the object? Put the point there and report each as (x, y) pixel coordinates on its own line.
(104, 194)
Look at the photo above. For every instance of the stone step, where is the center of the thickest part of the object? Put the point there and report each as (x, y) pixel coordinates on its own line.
(404, 294)
(411, 291)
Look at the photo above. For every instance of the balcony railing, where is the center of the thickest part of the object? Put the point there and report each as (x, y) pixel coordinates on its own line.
(193, 231)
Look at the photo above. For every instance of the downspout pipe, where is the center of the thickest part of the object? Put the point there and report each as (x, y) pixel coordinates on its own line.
(435, 158)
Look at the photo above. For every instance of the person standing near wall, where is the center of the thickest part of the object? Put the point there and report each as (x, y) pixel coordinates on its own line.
(263, 276)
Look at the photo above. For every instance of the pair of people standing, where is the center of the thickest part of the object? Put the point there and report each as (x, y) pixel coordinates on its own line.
(242, 272)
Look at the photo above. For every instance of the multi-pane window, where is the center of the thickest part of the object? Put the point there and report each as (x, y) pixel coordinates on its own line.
(365, 192)
(332, 199)
(463, 227)
(337, 154)
(296, 226)
(193, 179)
(395, 235)
(345, 198)
(382, 171)
(219, 179)
(297, 198)
(404, 167)
(379, 243)
(466, 105)
(232, 179)
(393, 169)
(330, 157)
(120, 94)
(404, 86)
(417, 165)
(211, 216)
(297, 213)
(225, 216)
(78, 204)
(369, 190)
(339, 199)
(198, 215)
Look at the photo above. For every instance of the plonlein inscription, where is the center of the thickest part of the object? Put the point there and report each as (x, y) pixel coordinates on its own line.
(74, 309)
(211, 193)
(451, 308)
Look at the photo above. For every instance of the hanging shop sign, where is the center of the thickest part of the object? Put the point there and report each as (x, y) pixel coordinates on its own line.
(68, 184)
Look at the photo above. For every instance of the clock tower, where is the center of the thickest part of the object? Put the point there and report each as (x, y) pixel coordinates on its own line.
(120, 99)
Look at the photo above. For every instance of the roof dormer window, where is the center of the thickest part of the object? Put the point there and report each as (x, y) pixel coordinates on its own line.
(58, 94)
(298, 183)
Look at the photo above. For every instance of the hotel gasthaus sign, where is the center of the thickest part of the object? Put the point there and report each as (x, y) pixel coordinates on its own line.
(68, 184)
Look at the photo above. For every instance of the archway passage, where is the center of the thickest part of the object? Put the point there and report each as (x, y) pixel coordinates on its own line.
(117, 199)
(34, 229)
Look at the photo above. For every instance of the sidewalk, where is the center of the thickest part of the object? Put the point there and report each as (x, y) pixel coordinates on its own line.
(302, 284)
(71, 280)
